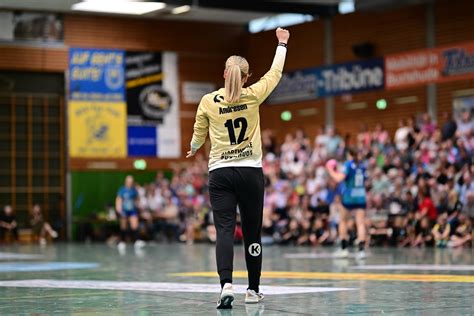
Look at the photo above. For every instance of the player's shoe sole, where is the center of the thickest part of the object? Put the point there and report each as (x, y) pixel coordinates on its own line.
(226, 297)
(225, 302)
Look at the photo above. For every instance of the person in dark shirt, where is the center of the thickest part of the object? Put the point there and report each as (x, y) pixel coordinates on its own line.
(8, 223)
(449, 127)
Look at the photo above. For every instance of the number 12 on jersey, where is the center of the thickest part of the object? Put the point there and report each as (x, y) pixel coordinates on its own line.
(241, 123)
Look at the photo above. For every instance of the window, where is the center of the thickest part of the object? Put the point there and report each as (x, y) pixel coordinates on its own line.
(32, 153)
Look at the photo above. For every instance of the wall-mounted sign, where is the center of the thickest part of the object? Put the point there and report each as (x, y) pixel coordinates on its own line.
(193, 91)
(313, 83)
(429, 66)
(97, 129)
(146, 81)
(96, 75)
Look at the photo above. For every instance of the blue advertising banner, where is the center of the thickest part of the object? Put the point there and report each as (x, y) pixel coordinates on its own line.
(332, 80)
(96, 74)
(142, 141)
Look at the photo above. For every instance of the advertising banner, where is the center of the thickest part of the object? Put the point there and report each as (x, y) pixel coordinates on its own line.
(429, 66)
(96, 74)
(147, 101)
(142, 141)
(332, 80)
(152, 101)
(144, 88)
(97, 129)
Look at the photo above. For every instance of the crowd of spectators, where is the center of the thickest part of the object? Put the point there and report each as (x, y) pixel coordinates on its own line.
(420, 188)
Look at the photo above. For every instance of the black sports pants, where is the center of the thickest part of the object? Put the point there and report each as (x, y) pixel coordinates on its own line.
(229, 187)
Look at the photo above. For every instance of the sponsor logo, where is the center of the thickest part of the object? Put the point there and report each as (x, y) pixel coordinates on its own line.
(255, 249)
(155, 102)
(458, 61)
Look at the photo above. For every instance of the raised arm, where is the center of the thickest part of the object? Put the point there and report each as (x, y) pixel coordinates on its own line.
(201, 127)
(262, 89)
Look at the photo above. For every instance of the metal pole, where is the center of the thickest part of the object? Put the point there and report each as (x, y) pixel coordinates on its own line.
(328, 58)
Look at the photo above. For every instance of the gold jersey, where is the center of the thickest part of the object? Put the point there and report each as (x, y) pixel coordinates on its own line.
(234, 128)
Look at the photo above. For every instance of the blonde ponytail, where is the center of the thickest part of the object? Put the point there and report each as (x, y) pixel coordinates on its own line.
(236, 68)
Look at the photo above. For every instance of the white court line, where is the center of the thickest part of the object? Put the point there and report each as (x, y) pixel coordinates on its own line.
(317, 256)
(161, 286)
(12, 255)
(417, 267)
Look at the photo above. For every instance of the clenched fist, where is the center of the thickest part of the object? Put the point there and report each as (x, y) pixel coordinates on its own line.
(283, 35)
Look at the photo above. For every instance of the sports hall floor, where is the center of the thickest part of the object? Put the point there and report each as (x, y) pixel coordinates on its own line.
(177, 279)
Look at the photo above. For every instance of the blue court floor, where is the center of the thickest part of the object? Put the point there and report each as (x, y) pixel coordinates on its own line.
(178, 279)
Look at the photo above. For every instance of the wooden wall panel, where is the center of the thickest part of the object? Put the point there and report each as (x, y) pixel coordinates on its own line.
(350, 121)
(390, 32)
(33, 58)
(201, 58)
(454, 21)
(138, 34)
(305, 50)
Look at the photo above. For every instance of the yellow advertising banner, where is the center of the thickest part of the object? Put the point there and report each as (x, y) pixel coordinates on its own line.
(97, 129)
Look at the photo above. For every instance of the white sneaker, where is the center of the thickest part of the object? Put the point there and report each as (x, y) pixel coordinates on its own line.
(54, 234)
(341, 253)
(139, 244)
(226, 298)
(361, 255)
(121, 246)
(42, 241)
(252, 297)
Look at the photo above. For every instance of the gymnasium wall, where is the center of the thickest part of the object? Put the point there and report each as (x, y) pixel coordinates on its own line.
(201, 47)
(392, 32)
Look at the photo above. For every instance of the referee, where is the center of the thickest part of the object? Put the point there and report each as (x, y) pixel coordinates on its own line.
(231, 116)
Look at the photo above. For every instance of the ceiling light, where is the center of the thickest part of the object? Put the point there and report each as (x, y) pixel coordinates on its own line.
(118, 6)
(182, 9)
(346, 6)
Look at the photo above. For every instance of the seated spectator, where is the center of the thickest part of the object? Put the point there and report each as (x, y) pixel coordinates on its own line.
(319, 235)
(463, 233)
(410, 227)
(427, 127)
(168, 220)
(304, 237)
(441, 231)
(465, 124)
(426, 207)
(268, 226)
(41, 228)
(291, 233)
(465, 187)
(8, 224)
(336, 209)
(423, 235)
